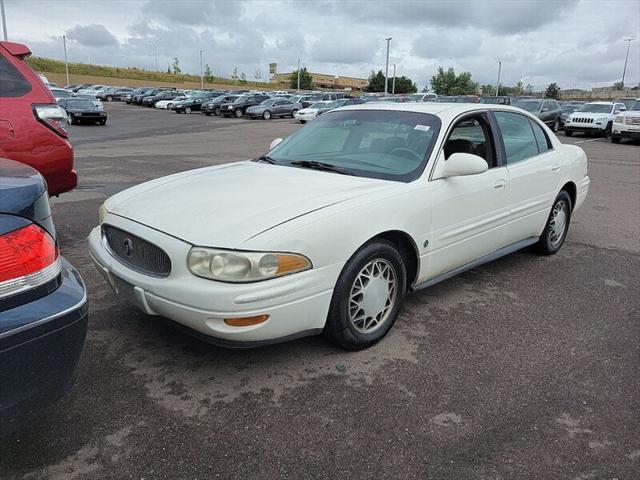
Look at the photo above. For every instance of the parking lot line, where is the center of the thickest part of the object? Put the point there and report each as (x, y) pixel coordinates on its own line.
(585, 141)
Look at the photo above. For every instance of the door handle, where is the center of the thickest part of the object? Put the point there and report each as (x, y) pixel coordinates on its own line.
(499, 184)
(555, 168)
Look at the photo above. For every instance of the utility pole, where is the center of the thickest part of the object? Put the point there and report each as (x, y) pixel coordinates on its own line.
(624, 71)
(298, 74)
(201, 71)
(498, 83)
(66, 65)
(393, 87)
(155, 53)
(4, 20)
(386, 70)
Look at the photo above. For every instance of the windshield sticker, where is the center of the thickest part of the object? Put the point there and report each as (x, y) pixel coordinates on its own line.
(422, 128)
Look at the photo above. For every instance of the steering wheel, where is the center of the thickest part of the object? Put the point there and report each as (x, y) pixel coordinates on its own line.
(403, 151)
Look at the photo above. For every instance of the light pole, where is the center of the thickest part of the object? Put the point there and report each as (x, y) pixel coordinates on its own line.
(66, 65)
(4, 20)
(386, 69)
(298, 74)
(155, 53)
(498, 82)
(201, 71)
(393, 85)
(624, 71)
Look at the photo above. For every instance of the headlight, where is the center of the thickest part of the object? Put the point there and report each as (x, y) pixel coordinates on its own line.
(102, 212)
(241, 267)
(619, 119)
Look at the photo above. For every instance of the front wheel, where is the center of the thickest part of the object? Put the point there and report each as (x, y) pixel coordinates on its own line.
(216, 112)
(293, 114)
(556, 125)
(266, 115)
(557, 227)
(367, 297)
(187, 110)
(607, 130)
(239, 113)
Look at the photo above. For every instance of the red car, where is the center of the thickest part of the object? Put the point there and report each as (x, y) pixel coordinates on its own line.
(33, 127)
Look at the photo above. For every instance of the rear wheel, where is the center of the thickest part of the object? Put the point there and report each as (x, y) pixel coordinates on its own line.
(556, 125)
(109, 99)
(187, 110)
(607, 130)
(238, 113)
(555, 231)
(367, 297)
(293, 114)
(266, 115)
(216, 111)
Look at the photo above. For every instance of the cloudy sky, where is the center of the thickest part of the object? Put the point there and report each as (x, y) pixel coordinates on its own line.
(576, 43)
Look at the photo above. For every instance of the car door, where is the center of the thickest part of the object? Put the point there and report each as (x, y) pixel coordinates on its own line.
(468, 212)
(534, 169)
(279, 107)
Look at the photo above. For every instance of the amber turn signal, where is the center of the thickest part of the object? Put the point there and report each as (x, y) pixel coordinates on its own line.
(246, 321)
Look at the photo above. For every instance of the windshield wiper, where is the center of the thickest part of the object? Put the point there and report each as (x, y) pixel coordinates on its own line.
(267, 159)
(315, 165)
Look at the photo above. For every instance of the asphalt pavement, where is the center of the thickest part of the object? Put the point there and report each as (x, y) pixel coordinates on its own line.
(524, 368)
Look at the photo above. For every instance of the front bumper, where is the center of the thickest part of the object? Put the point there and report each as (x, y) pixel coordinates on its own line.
(305, 117)
(297, 304)
(585, 128)
(626, 131)
(40, 345)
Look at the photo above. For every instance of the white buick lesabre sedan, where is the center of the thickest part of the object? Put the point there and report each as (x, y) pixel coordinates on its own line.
(330, 230)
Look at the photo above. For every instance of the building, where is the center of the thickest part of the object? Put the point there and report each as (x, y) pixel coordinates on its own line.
(321, 80)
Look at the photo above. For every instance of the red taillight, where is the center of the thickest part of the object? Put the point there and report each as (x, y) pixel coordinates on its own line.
(28, 257)
(53, 116)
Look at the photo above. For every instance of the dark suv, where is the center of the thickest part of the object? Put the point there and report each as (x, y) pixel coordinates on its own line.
(33, 127)
(240, 105)
(546, 109)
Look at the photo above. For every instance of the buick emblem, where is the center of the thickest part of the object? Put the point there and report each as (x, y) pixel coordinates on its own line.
(128, 247)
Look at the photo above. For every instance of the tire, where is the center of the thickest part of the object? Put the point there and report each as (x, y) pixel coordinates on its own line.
(103, 122)
(293, 114)
(615, 139)
(556, 125)
(238, 113)
(348, 325)
(216, 111)
(607, 130)
(568, 133)
(266, 115)
(303, 121)
(187, 110)
(109, 99)
(552, 237)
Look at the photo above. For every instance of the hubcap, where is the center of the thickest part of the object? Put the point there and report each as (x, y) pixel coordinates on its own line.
(558, 223)
(372, 296)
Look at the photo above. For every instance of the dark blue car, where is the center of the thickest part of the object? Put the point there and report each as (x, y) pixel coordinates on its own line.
(43, 301)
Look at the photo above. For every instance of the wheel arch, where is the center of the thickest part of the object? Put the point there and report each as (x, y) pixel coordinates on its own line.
(408, 250)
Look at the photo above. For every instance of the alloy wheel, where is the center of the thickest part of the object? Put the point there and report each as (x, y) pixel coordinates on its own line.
(373, 295)
(558, 223)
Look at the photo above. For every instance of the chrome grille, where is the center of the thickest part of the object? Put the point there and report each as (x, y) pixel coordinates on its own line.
(583, 120)
(634, 120)
(137, 253)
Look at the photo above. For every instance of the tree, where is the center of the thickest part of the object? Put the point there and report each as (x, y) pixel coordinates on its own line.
(618, 86)
(448, 83)
(208, 74)
(234, 73)
(376, 82)
(488, 90)
(176, 65)
(243, 79)
(403, 85)
(552, 91)
(306, 80)
(168, 68)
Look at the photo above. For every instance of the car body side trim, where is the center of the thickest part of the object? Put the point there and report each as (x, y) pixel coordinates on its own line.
(501, 252)
(46, 319)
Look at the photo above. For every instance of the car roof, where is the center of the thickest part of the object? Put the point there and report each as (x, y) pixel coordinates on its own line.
(602, 103)
(434, 108)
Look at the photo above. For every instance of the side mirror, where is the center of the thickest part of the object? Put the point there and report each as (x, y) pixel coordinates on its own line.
(545, 109)
(461, 164)
(275, 143)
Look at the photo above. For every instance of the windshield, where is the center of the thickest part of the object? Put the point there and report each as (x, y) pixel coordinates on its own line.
(635, 107)
(335, 104)
(595, 108)
(569, 108)
(529, 106)
(268, 103)
(318, 105)
(391, 145)
(75, 103)
(61, 94)
(241, 99)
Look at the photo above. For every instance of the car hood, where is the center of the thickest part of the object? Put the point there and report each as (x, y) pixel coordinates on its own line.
(589, 115)
(308, 110)
(226, 205)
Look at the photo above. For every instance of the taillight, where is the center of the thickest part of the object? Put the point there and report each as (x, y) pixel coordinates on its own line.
(54, 117)
(29, 257)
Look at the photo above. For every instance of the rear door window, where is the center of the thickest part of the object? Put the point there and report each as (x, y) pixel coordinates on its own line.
(12, 83)
(517, 135)
(541, 137)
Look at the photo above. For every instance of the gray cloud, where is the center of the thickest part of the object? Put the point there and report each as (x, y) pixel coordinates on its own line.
(94, 35)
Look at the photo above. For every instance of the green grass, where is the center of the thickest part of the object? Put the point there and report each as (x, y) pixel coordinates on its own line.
(47, 65)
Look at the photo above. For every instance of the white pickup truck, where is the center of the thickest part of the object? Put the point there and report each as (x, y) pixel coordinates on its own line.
(627, 124)
(594, 117)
